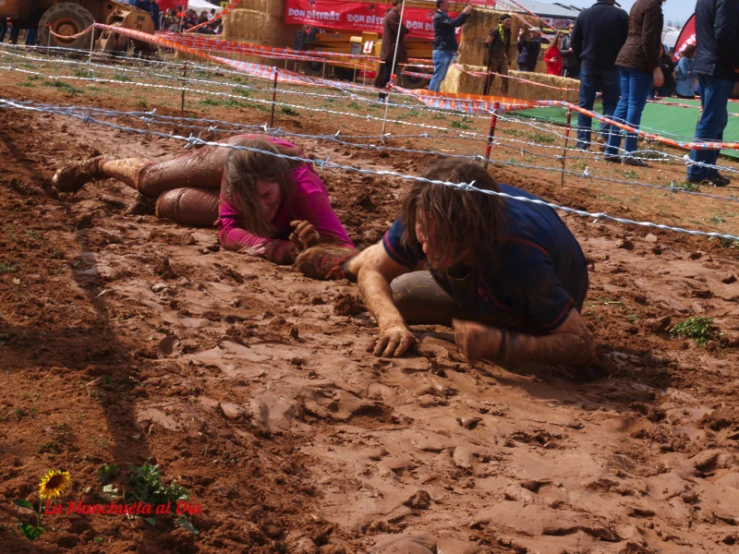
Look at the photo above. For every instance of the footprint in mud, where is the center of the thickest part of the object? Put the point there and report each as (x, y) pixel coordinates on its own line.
(419, 543)
(330, 402)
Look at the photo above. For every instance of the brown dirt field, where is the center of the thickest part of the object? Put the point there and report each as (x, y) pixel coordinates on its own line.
(124, 338)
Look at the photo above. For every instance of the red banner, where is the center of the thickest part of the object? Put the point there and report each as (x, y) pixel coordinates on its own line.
(687, 36)
(356, 16)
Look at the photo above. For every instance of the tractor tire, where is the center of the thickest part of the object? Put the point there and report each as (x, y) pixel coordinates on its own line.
(313, 69)
(66, 19)
(411, 82)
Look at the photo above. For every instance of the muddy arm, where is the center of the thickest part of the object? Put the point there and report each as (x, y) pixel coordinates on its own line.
(570, 344)
(375, 275)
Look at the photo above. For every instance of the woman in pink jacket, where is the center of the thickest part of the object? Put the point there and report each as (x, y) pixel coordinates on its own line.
(262, 204)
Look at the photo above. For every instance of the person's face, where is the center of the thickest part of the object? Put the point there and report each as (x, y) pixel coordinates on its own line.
(269, 198)
(444, 6)
(507, 23)
(436, 258)
(571, 28)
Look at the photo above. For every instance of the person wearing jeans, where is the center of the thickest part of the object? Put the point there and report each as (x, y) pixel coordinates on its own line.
(591, 81)
(717, 66)
(597, 37)
(715, 94)
(639, 67)
(445, 41)
(635, 88)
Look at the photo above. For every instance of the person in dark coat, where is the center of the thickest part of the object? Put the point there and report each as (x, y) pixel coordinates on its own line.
(528, 49)
(152, 7)
(445, 41)
(390, 29)
(638, 64)
(499, 46)
(717, 67)
(600, 32)
(668, 72)
(569, 58)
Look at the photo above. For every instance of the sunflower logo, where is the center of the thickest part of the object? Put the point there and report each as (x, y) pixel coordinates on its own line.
(53, 484)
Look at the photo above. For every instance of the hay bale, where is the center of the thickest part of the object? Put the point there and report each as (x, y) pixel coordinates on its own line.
(460, 82)
(472, 52)
(480, 23)
(269, 7)
(258, 28)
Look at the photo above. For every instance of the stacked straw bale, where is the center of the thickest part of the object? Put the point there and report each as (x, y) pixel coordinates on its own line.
(275, 8)
(460, 82)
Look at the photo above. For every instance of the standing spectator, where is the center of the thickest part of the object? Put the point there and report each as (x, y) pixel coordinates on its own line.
(31, 36)
(600, 32)
(685, 81)
(445, 41)
(390, 29)
(668, 73)
(717, 65)
(639, 67)
(171, 21)
(499, 47)
(553, 56)
(528, 50)
(569, 58)
(4, 26)
(152, 7)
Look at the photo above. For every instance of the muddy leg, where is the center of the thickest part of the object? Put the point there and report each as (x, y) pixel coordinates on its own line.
(189, 206)
(421, 301)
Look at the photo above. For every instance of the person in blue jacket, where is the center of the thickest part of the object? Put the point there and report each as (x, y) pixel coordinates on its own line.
(508, 274)
(684, 74)
(445, 41)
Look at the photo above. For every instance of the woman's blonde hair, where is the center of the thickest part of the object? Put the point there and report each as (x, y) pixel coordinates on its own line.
(244, 168)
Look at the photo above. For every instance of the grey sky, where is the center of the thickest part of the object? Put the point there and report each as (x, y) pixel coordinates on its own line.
(674, 10)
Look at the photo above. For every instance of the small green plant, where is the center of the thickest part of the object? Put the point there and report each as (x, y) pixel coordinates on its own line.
(460, 125)
(107, 473)
(145, 485)
(630, 174)
(8, 267)
(699, 329)
(35, 78)
(355, 106)
(413, 112)
(717, 219)
(684, 185)
(287, 110)
(541, 138)
(608, 198)
(141, 103)
(513, 132)
(26, 84)
(121, 77)
(82, 73)
(61, 85)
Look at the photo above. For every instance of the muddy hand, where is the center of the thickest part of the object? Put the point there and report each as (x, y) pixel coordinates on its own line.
(304, 235)
(394, 341)
(476, 341)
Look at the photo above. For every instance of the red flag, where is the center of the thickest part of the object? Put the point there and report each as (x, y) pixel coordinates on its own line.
(687, 36)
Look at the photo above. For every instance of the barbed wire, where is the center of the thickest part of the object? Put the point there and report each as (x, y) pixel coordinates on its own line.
(151, 117)
(326, 164)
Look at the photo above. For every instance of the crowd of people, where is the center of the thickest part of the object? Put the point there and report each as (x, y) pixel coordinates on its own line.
(615, 54)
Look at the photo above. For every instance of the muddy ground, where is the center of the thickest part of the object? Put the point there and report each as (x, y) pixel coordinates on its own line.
(125, 338)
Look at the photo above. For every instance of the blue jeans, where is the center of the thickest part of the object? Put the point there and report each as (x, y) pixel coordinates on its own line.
(442, 61)
(590, 82)
(635, 88)
(715, 94)
(31, 36)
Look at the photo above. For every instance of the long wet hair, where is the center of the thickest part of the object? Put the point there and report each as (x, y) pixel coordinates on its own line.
(458, 217)
(244, 168)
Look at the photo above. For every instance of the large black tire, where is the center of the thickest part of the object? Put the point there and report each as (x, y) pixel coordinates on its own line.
(412, 82)
(66, 19)
(314, 69)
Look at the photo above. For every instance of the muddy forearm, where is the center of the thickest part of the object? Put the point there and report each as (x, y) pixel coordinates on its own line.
(561, 348)
(378, 297)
